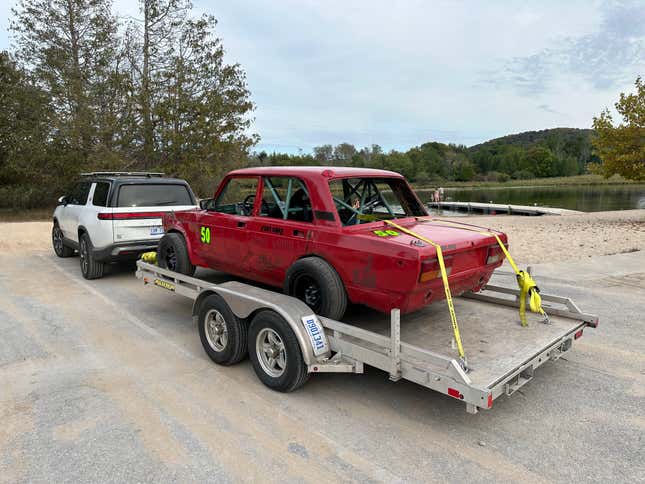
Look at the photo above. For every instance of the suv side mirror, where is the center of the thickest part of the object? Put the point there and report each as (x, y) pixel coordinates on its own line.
(207, 204)
(62, 200)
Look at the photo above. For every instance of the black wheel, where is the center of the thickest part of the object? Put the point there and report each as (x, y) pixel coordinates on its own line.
(318, 285)
(223, 335)
(275, 353)
(172, 254)
(90, 268)
(58, 243)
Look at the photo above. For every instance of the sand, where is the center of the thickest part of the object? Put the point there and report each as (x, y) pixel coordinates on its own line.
(533, 240)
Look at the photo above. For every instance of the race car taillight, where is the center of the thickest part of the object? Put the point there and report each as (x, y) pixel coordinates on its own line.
(430, 268)
(495, 254)
(129, 215)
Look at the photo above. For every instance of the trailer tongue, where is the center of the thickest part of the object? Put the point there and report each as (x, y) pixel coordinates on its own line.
(502, 355)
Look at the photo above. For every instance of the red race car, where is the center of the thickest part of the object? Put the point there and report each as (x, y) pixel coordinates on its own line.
(320, 234)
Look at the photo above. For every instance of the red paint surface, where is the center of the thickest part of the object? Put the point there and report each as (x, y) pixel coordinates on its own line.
(380, 272)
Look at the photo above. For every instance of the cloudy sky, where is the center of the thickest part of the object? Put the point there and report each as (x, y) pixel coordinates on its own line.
(402, 73)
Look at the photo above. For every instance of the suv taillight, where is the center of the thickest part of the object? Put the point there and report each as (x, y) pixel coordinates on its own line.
(494, 255)
(430, 268)
(129, 215)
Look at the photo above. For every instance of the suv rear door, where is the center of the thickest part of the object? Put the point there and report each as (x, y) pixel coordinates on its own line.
(137, 208)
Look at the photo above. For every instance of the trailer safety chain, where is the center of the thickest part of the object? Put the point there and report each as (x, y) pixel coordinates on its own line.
(446, 288)
(525, 282)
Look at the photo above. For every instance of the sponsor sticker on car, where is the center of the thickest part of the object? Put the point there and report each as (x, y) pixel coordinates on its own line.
(316, 334)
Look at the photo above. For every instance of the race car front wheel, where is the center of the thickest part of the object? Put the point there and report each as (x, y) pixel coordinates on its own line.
(318, 285)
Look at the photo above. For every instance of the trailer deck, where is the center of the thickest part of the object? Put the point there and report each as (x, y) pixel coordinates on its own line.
(501, 354)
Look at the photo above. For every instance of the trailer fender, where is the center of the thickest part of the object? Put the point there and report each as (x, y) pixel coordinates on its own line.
(245, 301)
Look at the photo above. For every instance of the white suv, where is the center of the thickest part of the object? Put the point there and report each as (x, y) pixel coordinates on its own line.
(114, 216)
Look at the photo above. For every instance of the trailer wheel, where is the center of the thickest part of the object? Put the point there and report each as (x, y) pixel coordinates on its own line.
(58, 243)
(318, 285)
(90, 267)
(275, 353)
(172, 254)
(223, 335)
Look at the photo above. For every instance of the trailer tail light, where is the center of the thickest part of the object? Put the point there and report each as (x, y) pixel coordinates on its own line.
(578, 334)
(490, 400)
(453, 392)
(430, 268)
(129, 215)
(494, 255)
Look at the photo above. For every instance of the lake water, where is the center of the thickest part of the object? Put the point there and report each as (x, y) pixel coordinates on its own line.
(586, 198)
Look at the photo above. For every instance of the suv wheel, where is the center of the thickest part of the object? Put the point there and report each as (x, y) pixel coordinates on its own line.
(58, 243)
(318, 285)
(172, 254)
(90, 268)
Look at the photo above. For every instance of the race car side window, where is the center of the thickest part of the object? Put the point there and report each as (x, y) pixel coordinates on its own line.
(237, 197)
(286, 198)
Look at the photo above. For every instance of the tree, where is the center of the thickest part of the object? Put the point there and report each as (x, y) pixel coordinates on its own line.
(68, 47)
(343, 153)
(25, 168)
(324, 154)
(622, 148)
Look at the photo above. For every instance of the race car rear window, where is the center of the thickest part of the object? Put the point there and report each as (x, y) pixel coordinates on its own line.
(149, 195)
(364, 200)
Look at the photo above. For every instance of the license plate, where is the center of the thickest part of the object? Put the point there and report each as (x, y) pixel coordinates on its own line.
(316, 334)
(156, 230)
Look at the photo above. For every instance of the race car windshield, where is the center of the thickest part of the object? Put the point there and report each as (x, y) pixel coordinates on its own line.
(364, 200)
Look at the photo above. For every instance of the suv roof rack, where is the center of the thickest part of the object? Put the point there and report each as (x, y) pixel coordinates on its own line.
(146, 174)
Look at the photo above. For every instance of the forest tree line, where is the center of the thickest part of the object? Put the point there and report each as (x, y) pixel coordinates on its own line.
(533, 154)
(84, 90)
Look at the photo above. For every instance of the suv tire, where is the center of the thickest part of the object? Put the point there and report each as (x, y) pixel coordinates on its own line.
(172, 254)
(318, 285)
(58, 242)
(90, 267)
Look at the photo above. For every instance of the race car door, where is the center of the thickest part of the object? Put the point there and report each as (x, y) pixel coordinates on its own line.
(221, 232)
(281, 231)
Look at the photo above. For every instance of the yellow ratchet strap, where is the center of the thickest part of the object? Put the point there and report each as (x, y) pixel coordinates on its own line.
(446, 288)
(524, 280)
(149, 257)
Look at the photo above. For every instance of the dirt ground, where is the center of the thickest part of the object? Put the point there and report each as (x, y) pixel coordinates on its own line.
(532, 239)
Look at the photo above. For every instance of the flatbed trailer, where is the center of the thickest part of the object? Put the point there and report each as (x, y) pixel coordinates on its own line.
(501, 354)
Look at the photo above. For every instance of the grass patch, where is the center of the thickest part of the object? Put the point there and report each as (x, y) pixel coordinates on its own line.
(30, 215)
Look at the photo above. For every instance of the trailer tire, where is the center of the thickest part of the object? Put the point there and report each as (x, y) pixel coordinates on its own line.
(58, 242)
(275, 353)
(90, 267)
(223, 335)
(318, 285)
(172, 254)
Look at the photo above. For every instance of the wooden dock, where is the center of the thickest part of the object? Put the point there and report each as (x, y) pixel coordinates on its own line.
(498, 209)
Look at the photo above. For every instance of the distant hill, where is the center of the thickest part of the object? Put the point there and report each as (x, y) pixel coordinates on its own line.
(532, 138)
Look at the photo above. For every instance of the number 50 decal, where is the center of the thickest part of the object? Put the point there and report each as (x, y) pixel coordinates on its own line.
(205, 235)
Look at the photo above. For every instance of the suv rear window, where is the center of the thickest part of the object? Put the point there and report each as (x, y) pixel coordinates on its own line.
(149, 195)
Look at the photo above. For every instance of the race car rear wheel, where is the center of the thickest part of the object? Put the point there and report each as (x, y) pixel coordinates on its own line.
(172, 254)
(223, 335)
(318, 285)
(275, 353)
